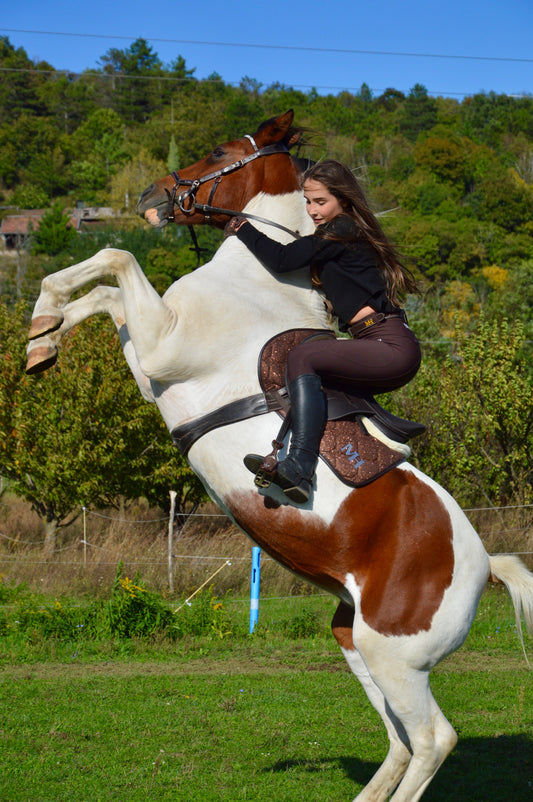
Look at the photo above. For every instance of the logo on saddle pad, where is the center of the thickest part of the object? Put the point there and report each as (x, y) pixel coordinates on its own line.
(353, 455)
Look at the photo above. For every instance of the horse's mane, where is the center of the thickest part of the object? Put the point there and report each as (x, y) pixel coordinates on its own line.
(302, 164)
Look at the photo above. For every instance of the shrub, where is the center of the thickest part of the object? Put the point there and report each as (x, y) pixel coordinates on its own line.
(133, 611)
(9, 593)
(50, 620)
(206, 615)
(303, 625)
(29, 197)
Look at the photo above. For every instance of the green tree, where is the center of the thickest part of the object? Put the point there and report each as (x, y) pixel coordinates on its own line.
(419, 112)
(81, 434)
(487, 117)
(513, 298)
(444, 158)
(135, 175)
(478, 406)
(19, 88)
(28, 147)
(98, 148)
(54, 233)
(136, 98)
(173, 162)
(69, 100)
(503, 198)
(178, 69)
(390, 99)
(28, 196)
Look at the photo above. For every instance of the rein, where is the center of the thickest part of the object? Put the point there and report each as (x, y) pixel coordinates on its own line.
(186, 201)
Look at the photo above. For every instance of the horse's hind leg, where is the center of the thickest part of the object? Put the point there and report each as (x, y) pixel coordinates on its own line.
(409, 701)
(395, 764)
(431, 736)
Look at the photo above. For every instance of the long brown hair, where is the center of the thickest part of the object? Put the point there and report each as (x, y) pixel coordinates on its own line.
(341, 183)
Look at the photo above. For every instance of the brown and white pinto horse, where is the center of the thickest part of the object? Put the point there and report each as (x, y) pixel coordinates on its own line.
(405, 563)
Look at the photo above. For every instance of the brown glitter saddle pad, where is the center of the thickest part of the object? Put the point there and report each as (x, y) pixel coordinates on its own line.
(354, 455)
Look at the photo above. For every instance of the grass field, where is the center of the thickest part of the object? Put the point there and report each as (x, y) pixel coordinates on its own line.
(275, 716)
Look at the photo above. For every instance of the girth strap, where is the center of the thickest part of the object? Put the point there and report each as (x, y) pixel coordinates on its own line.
(340, 406)
(187, 434)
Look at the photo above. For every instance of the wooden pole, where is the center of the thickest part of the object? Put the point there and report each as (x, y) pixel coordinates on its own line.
(171, 541)
(84, 539)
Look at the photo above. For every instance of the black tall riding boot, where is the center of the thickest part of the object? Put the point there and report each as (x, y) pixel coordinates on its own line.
(295, 473)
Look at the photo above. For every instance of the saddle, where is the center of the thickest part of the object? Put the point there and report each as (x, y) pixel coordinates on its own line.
(362, 440)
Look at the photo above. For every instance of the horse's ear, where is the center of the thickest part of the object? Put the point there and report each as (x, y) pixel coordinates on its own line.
(275, 129)
(285, 121)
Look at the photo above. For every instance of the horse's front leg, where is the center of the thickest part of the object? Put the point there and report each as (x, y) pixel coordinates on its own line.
(56, 289)
(43, 348)
(42, 351)
(148, 318)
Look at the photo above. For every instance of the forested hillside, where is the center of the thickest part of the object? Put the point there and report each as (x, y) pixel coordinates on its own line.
(454, 176)
(458, 174)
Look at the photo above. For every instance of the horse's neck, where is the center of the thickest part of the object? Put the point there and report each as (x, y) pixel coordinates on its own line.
(230, 307)
(288, 210)
(260, 303)
(235, 295)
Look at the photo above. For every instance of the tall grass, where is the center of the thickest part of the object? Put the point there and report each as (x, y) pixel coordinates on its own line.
(138, 539)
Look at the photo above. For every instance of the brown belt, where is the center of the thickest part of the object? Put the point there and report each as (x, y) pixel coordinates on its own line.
(371, 320)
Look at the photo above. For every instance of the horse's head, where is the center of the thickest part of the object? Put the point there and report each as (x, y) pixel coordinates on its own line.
(228, 178)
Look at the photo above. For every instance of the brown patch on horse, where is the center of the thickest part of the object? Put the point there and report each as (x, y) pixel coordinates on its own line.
(394, 536)
(273, 174)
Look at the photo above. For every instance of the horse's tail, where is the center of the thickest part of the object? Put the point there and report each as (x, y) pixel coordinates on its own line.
(512, 572)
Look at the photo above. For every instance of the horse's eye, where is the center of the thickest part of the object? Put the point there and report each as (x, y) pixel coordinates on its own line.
(218, 152)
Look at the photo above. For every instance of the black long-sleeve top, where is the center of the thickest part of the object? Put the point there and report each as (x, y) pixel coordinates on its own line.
(347, 269)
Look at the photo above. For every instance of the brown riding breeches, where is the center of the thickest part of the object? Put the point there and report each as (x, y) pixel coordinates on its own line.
(382, 358)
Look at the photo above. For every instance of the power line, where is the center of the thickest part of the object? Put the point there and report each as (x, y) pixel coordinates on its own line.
(278, 47)
(175, 79)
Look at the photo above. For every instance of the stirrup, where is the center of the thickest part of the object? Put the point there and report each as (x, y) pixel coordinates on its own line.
(263, 479)
(262, 475)
(264, 468)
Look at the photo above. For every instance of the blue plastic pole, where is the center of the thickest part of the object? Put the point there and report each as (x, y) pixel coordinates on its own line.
(254, 590)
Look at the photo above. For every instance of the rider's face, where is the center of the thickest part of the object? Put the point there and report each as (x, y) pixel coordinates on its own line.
(321, 205)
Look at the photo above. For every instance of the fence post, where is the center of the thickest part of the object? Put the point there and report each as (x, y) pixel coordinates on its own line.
(171, 541)
(254, 590)
(84, 538)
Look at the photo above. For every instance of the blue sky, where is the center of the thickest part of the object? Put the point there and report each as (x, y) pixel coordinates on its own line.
(453, 48)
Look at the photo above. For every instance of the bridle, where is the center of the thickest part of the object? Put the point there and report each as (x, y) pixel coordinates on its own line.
(186, 201)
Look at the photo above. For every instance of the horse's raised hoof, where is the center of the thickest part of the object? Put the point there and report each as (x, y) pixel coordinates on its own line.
(44, 324)
(41, 358)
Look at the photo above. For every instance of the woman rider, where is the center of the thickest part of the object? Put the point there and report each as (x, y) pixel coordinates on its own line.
(357, 269)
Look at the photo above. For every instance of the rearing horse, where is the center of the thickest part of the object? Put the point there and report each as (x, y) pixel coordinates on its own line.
(399, 553)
